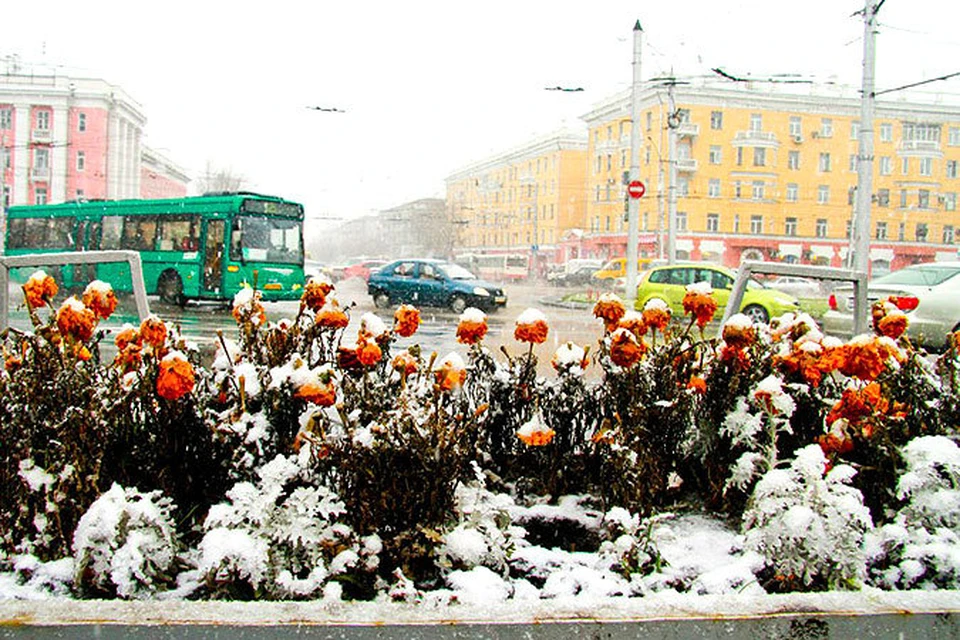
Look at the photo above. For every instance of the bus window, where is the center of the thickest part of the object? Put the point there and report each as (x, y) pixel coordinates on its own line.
(111, 232)
(40, 233)
(266, 239)
(179, 234)
(139, 233)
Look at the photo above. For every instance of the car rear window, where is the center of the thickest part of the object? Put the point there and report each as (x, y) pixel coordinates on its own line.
(927, 276)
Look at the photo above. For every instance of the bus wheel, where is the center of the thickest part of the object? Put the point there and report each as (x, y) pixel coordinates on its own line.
(170, 288)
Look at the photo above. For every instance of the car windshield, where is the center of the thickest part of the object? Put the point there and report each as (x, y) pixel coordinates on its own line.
(926, 276)
(456, 272)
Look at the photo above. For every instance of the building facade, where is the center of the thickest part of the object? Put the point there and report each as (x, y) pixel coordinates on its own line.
(764, 173)
(65, 138)
(521, 201)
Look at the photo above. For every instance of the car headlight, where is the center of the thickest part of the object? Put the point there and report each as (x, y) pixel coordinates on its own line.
(480, 291)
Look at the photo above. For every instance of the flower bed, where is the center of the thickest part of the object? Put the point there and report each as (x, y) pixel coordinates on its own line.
(305, 465)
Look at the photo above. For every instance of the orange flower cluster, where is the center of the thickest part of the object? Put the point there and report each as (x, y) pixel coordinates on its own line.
(697, 385)
(100, 298)
(153, 334)
(315, 294)
(610, 308)
(406, 320)
(74, 319)
(888, 319)
(405, 364)
(861, 407)
(247, 308)
(331, 316)
(634, 323)
(472, 327)
(567, 356)
(625, 349)
(834, 443)
(739, 334)
(699, 304)
(368, 351)
(39, 289)
(866, 357)
(656, 315)
(531, 327)
(320, 393)
(450, 373)
(128, 348)
(176, 377)
(535, 434)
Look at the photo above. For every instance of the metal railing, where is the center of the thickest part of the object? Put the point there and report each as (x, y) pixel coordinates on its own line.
(73, 258)
(750, 267)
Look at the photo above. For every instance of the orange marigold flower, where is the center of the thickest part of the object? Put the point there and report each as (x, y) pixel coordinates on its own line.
(534, 433)
(472, 327)
(568, 357)
(698, 302)
(656, 314)
(625, 349)
(39, 289)
(610, 308)
(697, 384)
(739, 332)
(315, 294)
(865, 357)
(531, 327)
(153, 333)
(634, 323)
(247, 307)
(100, 298)
(320, 393)
(128, 335)
(331, 316)
(348, 360)
(76, 320)
(892, 325)
(368, 352)
(176, 377)
(856, 405)
(450, 373)
(405, 363)
(406, 320)
(834, 443)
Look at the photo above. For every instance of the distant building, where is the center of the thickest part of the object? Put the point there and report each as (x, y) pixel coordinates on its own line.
(523, 200)
(419, 228)
(770, 172)
(65, 138)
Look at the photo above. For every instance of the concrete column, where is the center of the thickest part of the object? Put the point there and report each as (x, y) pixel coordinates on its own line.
(60, 155)
(113, 146)
(21, 153)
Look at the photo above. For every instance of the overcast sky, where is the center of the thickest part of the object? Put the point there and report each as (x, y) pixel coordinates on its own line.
(429, 87)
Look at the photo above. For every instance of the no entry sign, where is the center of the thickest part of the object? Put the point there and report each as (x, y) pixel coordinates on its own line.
(636, 189)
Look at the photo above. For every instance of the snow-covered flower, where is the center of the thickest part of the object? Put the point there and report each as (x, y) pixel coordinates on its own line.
(472, 326)
(531, 327)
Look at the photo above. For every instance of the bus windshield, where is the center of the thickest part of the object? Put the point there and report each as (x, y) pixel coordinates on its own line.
(259, 239)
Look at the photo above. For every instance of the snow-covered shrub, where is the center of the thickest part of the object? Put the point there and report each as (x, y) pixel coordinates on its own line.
(809, 526)
(280, 537)
(920, 547)
(126, 543)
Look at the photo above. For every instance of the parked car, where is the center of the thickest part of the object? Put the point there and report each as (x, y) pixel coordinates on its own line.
(800, 287)
(362, 269)
(577, 276)
(617, 268)
(433, 283)
(928, 293)
(669, 283)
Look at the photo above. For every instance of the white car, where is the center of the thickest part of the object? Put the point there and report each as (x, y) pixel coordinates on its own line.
(796, 286)
(928, 293)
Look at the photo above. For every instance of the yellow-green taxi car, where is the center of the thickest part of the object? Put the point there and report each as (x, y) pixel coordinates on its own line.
(669, 283)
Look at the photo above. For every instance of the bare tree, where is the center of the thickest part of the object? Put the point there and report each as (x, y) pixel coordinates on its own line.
(216, 179)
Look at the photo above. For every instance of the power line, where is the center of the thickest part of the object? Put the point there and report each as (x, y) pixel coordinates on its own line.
(917, 84)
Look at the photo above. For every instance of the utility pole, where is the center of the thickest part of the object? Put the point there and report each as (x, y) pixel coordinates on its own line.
(633, 204)
(534, 249)
(673, 122)
(864, 196)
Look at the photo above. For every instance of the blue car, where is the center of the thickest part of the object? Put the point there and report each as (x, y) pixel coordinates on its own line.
(432, 283)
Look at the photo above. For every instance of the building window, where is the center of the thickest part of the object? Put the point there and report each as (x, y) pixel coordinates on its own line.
(757, 190)
(921, 232)
(43, 121)
(953, 136)
(855, 130)
(681, 221)
(623, 158)
(821, 229)
(649, 120)
(851, 194)
(81, 122)
(881, 231)
(737, 192)
(951, 168)
(886, 132)
(883, 197)
(736, 223)
(756, 224)
(739, 156)
(886, 165)
(795, 129)
(715, 154)
(6, 196)
(713, 222)
(756, 122)
(683, 187)
(903, 198)
(79, 195)
(793, 160)
(948, 234)
(921, 132)
(713, 188)
(902, 232)
(792, 192)
(597, 198)
(923, 198)
(6, 118)
(759, 156)
(905, 166)
(824, 165)
(5, 161)
(826, 128)
(40, 195)
(849, 228)
(82, 160)
(823, 194)
(926, 166)
(950, 201)
(599, 164)
(853, 162)
(790, 227)
(648, 155)
(716, 120)
(41, 158)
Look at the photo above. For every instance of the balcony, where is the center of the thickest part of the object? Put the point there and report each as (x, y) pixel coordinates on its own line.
(686, 164)
(41, 135)
(40, 174)
(920, 147)
(755, 139)
(688, 129)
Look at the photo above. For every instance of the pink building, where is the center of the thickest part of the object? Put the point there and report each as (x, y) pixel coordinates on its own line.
(67, 138)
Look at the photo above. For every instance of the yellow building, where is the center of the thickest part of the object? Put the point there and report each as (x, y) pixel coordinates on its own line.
(521, 201)
(769, 172)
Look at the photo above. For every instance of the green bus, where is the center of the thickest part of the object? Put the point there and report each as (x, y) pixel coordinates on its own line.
(195, 248)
